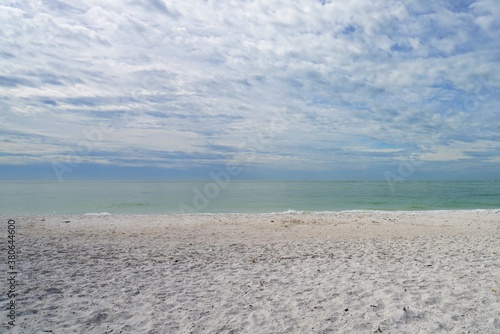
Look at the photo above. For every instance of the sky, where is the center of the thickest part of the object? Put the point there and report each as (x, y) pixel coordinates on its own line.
(263, 89)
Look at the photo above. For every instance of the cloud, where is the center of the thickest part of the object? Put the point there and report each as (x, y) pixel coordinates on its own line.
(327, 83)
(457, 150)
(13, 82)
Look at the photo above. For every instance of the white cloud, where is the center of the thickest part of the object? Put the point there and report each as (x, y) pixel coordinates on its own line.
(456, 150)
(368, 78)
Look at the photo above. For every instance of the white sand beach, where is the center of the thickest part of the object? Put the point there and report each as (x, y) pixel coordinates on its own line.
(344, 272)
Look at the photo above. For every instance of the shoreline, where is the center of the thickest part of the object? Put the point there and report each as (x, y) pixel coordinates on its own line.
(287, 212)
(337, 272)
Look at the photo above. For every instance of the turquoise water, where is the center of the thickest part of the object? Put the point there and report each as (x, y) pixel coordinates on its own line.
(142, 197)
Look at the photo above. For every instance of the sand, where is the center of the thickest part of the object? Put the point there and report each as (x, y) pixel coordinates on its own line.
(344, 272)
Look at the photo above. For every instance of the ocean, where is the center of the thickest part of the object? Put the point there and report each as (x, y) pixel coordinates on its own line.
(159, 197)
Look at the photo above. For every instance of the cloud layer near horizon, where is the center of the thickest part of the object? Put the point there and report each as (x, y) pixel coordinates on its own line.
(301, 85)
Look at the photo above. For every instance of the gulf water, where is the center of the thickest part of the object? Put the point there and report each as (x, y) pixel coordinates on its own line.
(159, 197)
